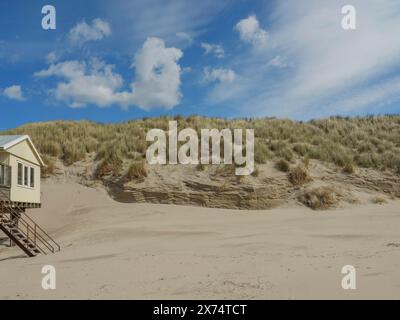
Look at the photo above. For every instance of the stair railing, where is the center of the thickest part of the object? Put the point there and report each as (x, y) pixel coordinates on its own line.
(30, 229)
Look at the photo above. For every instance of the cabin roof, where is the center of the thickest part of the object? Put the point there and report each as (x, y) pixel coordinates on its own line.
(7, 142)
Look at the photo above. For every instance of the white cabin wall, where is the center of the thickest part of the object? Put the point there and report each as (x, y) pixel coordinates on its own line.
(24, 193)
(24, 151)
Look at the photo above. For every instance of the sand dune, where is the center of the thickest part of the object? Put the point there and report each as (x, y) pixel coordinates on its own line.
(150, 251)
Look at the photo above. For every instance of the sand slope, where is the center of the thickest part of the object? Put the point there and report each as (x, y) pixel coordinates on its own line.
(149, 251)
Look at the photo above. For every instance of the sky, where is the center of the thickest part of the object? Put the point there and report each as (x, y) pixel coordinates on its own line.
(111, 61)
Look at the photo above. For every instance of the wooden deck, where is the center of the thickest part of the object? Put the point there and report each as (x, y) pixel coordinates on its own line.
(20, 205)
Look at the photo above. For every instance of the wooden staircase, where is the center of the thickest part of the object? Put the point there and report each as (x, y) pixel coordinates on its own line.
(24, 232)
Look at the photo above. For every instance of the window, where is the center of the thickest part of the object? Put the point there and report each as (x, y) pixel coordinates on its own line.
(32, 181)
(26, 176)
(20, 174)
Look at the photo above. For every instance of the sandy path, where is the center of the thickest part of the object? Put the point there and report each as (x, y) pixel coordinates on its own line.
(144, 251)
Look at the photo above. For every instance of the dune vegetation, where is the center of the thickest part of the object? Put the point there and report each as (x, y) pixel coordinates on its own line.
(319, 198)
(370, 142)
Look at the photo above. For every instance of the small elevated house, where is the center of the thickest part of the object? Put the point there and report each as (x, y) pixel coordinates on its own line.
(20, 165)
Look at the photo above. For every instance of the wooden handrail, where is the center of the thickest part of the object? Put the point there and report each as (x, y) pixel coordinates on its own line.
(31, 230)
(37, 227)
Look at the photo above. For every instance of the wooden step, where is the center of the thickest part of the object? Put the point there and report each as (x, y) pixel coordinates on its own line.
(17, 234)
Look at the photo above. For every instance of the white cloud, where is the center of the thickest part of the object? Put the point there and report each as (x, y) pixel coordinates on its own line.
(157, 82)
(251, 32)
(214, 49)
(85, 83)
(162, 19)
(277, 62)
(84, 32)
(331, 70)
(373, 97)
(186, 70)
(219, 74)
(52, 57)
(14, 92)
(332, 63)
(184, 36)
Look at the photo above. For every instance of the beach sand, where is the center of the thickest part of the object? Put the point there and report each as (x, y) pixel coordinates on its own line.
(113, 250)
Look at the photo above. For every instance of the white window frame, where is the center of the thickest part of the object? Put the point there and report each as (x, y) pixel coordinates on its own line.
(28, 180)
(22, 174)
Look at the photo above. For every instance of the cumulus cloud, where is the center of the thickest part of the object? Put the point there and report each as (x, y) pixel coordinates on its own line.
(84, 83)
(250, 31)
(84, 32)
(157, 82)
(215, 49)
(14, 92)
(219, 74)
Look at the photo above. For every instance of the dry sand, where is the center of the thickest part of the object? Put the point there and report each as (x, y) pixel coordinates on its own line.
(114, 250)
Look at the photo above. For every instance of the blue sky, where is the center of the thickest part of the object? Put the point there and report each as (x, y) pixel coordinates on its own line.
(117, 60)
